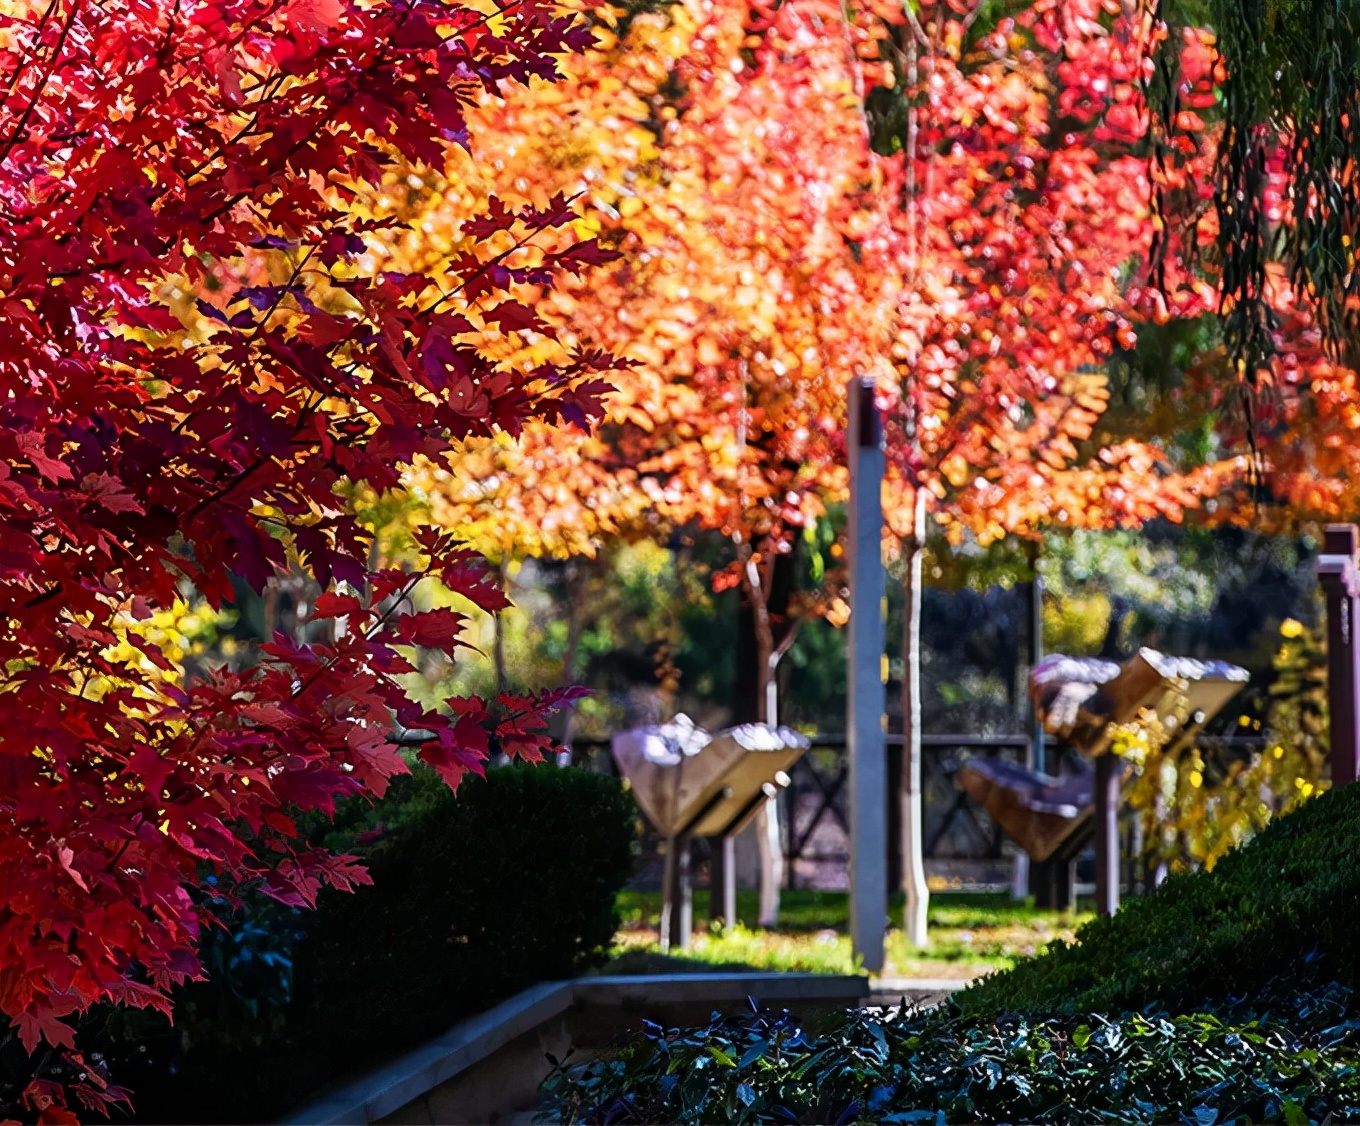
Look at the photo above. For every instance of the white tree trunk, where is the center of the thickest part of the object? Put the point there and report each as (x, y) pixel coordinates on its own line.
(913, 843)
(769, 845)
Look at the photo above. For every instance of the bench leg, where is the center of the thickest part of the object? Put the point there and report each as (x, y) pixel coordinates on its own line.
(1053, 881)
(677, 899)
(722, 881)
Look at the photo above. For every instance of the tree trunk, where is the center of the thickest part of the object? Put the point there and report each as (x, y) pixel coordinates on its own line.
(913, 860)
(768, 838)
(576, 586)
(498, 638)
(759, 583)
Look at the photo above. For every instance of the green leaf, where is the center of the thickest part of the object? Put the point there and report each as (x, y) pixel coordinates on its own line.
(1294, 1115)
(753, 1053)
(876, 1031)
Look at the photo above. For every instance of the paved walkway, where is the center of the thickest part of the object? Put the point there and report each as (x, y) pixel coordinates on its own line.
(923, 992)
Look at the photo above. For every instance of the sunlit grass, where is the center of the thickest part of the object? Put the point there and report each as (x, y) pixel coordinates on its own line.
(971, 933)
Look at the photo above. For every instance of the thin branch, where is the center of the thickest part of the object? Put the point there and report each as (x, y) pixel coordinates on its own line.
(22, 60)
(41, 85)
(787, 643)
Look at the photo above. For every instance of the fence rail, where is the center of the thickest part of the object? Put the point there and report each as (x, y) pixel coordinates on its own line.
(815, 818)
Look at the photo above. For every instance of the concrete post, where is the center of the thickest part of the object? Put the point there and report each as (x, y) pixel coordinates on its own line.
(866, 706)
(1340, 578)
(1036, 757)
(1023, 880)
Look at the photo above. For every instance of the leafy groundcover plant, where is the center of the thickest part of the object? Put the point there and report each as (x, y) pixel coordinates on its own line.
(1235, 991)
(1295, 1064)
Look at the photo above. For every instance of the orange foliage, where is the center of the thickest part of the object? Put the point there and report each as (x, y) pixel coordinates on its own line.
(753, 282)
(1307, 427)
(769, 254)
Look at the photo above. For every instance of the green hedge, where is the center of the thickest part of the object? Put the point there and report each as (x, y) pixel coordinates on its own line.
(1285, 905)
(476, 895)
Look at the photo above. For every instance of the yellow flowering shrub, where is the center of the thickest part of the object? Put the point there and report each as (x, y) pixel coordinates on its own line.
(1196, 805)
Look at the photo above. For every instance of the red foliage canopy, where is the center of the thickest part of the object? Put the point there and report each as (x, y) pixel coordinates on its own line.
(195, 355)
(1025, 177)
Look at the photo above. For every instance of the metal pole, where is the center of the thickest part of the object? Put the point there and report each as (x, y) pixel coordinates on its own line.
(1337, 571)
(1109, 773)
(866, 705)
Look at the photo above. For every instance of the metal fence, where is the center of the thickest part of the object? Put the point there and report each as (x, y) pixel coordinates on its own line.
(962, 844)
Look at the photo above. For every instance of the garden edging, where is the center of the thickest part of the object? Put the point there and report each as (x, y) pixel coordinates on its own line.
(439, 1080)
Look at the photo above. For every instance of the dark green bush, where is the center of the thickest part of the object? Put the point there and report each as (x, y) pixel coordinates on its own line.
(941, 1068)
(511, 882)
(475, 896)
(1286, 903)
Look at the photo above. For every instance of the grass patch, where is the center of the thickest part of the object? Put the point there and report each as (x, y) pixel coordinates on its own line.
(972, 933)
(642, 961)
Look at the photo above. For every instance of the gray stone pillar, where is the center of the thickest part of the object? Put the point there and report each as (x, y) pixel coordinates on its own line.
(866, 700)
(1109, 774)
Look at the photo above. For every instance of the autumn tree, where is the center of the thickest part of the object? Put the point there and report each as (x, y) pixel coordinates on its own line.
(709, 147)
(1021, 191)
(1283, 198)
(1286, 188)
(1277, 211)
(968, 243)
(199, 359)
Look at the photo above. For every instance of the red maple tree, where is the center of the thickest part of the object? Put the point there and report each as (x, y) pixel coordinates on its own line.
(196, 354)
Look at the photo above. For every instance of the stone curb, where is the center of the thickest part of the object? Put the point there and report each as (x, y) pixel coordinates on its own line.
(390, 1088)
(914, 986)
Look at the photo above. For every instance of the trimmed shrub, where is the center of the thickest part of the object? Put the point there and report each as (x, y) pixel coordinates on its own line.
(941, 1068)
(475, 896)
(1284, 905)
